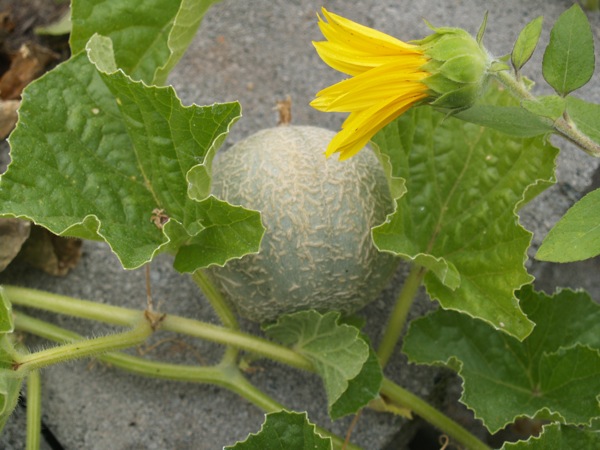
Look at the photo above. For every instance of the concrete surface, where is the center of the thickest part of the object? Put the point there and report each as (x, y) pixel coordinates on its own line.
(259, 52)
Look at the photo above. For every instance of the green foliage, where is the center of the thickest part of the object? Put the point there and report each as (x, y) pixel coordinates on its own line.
(555, 370)
(526, 43)
(149, 36)
(285, 430)
(10, 386)
(457, 219)
(340, 355)
(6, 317)
(585, 116)
(121, 151)
(577, 235)
(511, 120)
(550, 106)
(559, 437)
(569, 58)
(127, 163)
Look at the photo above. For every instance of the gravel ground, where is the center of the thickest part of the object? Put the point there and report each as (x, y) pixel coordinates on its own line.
(259, 52)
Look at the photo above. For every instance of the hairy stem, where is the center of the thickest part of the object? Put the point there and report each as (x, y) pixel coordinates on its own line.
(224, 374)
(563, 126)
(83, 348)
(122, 316)
(61, 304)
(34, 410)
(215, 375)
(397, 319)
(436, 418)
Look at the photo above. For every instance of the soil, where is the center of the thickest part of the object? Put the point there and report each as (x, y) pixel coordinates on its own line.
(19, 19)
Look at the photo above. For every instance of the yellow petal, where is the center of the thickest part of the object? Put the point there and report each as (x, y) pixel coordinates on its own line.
(348, 62)
(360, 37)
(374, 86)
(361, 126)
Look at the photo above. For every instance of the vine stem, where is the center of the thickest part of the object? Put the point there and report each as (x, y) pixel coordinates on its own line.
(116, 315)
(216, 299)
(25, 363)
(220, 306)
(34, 410)
(216, 374)
(397, 319)
(563, 125)
(436, 418)
(225, 374)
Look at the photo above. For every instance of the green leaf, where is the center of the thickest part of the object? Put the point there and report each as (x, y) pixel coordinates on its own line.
(502, 112)
(576, 236)
(511, 120)
(586, 117)
(114, 152)
(549, 106)
(569, 58)
(555, 370)
(10, 387)
(337, 351)
(6, 317)
(150, 36)
(362, 389)
(458, 219)
(225, 227)
(559, 437)
(482, 28)
(526, 43)
(285, 430)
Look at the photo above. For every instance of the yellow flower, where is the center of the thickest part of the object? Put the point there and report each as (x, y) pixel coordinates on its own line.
(386, 82)
(447, 69)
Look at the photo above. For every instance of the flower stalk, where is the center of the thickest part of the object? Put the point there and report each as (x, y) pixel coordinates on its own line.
(563, 126)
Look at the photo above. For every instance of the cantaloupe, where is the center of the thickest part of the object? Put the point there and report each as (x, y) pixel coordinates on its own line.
(317, 251)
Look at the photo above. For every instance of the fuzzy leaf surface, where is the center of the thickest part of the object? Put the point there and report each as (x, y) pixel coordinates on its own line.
(559, 437)
(337, 351)
(576, 236)
(569, 58)
(526, 43)
(285, 430)
(555, 370)
(586, 117)
(150, 36)
(112, 152)
(458, 218)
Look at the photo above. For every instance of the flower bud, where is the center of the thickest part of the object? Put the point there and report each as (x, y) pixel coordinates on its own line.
(458, 68)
